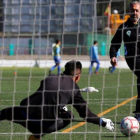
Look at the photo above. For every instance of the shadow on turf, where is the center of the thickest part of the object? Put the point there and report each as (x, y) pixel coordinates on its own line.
(113, 136)
(116, 122)
(85, 121)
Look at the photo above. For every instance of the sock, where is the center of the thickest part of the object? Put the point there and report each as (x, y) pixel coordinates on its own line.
(52, 68)
(90, 70)
(113, 69)
(59, 69)
(97, 68)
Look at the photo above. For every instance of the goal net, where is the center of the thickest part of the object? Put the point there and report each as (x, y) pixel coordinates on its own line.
(28, 31)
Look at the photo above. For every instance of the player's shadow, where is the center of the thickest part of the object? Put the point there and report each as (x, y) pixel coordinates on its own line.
(116, 122)
(113, 136)
(84, 121)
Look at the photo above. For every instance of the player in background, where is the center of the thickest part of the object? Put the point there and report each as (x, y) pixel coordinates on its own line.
(129, 33)
(53, 45)
(94, 57)
(44, 111)
(56, 57)
(112, 69)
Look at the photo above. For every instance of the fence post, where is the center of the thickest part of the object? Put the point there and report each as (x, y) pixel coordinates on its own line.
(30, 46)
(11, 49)
(103, 48)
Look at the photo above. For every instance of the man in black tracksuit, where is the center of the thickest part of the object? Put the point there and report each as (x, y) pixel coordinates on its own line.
(129, 32)
(43, 112)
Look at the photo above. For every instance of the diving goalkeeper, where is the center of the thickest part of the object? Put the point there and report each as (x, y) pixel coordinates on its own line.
(45, 112)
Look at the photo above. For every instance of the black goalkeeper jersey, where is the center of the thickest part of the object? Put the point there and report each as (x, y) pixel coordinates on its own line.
(53, 94)
(129, 33)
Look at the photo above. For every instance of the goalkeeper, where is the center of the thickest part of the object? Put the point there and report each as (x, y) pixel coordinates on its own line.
(45, 112)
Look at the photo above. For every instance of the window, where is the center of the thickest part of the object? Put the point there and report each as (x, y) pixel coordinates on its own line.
(87, 1)
(25, 10)
(15, 23)
(44, 2)
(71, 25)
(7, 11)
(56, 26)
(32, 10)
(14, 29)
(15, 1)
(15, 10)
(26, 28)
(12, 18)
(86, 25)
(30, 18)
(58, 1)
(72, 11)
(42, 23)
(57, 12)
(87, 10)
(32, 1)
(25, 22)
(25, 2)
(43, 11)
(73, 1)
(44, 29)
(10, 28)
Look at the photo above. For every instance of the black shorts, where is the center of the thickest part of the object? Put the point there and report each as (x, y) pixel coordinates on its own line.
(134, 64)
(18, 115)
(37, 127)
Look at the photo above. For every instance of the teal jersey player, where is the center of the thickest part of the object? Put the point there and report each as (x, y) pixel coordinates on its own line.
(94, 57)
(56, 57)
(56, 51)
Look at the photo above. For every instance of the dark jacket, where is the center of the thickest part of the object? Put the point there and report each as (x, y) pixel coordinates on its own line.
(129, 33)
(54, 93)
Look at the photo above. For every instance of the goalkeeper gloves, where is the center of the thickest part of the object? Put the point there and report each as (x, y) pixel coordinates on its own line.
(65, 108)
(109, 124)
(89, 89)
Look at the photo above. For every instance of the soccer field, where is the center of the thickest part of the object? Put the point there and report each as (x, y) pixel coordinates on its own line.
(113, 89)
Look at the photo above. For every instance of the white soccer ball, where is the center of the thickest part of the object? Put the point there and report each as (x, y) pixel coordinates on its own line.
(129, 126)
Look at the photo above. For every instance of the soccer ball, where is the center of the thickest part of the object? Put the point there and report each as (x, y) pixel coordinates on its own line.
(129, 126)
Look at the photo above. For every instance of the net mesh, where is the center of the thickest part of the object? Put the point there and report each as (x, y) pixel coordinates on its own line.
(28, 30)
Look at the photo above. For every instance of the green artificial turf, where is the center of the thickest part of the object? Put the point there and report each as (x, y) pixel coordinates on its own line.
(113, 89)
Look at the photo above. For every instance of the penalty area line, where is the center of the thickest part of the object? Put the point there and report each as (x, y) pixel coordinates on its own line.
(101, 114)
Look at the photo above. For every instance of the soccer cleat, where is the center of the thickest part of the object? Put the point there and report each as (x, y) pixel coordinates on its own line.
(50, 72)
(96, 72)
(137, 116)
(32, 138)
